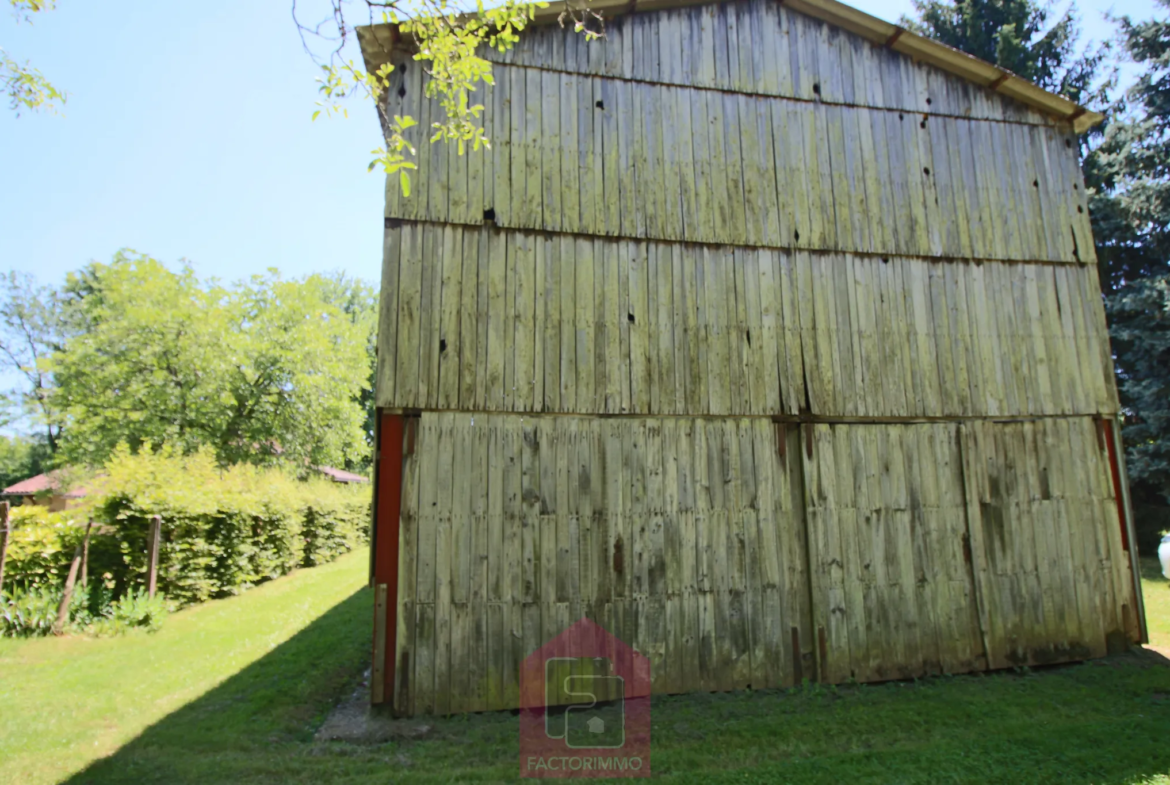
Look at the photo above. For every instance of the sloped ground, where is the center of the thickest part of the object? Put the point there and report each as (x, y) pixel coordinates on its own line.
(239, 691)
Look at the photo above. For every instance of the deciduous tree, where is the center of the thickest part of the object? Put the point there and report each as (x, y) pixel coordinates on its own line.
(262, 371)
(32, 327)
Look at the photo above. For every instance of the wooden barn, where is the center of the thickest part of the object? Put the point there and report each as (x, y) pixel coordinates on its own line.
(768, 336)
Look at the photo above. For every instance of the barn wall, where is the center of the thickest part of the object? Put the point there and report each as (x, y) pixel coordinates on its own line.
(701, 165)
(676, 534)
(490, 320)
(784, 360)
(1047, 537)
(763, 48)
(739, 552)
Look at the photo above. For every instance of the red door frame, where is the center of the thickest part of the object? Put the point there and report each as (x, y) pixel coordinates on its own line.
(391, 429)
(1125, 513)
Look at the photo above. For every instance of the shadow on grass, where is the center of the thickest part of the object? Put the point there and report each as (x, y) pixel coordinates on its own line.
(1100, 722)
(229, 734)
(1151, 570)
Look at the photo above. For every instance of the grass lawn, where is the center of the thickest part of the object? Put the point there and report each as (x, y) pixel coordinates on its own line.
(233, 692)
(1156, 594)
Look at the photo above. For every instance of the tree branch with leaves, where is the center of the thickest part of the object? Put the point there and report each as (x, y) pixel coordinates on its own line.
(446, 41)
(25, 86)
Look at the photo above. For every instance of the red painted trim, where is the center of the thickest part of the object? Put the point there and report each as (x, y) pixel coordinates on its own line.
(1115, 470)
(386, 519)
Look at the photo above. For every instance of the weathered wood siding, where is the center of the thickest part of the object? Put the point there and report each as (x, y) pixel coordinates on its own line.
(776, 353)
(1045, 531)
(762, 48)
(679, 535)
(580, 154)
(738, 551)
(481, 319)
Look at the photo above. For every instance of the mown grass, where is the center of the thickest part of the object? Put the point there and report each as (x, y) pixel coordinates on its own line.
(1156, 595)
(243, 663)
(234, 692)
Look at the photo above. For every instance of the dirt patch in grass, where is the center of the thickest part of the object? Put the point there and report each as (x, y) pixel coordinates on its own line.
(354, 721)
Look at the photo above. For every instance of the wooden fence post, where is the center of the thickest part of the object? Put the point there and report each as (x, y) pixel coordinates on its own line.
(67, 597)
(152, 555)
(79, 555)
(85, 555)
(3, 541)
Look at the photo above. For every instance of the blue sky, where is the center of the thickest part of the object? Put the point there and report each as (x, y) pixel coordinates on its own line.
(187, 135)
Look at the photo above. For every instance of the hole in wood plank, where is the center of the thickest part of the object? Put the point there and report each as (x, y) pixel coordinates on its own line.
(926, 171)
(928, 101)
(1068, 142)
(1076, 249)
(749, 337)
(630, 316)
(1080, 209)
(817, 88)
(1075, 187)
(442, 345)
(923, 123)
(489, 214)
(796, 233)
(402, 91)
(1035, 183)
(901, 116)
(600, 105)
(885, 260)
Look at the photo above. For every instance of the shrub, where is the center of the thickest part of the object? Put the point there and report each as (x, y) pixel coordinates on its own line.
(336, 520)
(224, 531)
(40, 547)
(30, 612)
(26, 613)
(133, 610)
(33, 612)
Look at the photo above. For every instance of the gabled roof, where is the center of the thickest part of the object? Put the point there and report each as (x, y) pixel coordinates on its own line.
(41, 483)
(378, 41)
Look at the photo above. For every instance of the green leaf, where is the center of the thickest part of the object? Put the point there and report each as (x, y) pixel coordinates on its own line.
(404, 181)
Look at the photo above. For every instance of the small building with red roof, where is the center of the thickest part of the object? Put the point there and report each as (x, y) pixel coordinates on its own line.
(44, 489)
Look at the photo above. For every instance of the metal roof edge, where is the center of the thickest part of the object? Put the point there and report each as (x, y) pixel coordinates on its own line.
(379, 42)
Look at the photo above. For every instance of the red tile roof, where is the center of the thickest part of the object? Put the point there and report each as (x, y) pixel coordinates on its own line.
(40, 484)
(340, 475)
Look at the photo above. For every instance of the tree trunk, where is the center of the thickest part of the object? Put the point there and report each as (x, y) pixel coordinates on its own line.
(152, 555)
(85, 554)
(63, 608)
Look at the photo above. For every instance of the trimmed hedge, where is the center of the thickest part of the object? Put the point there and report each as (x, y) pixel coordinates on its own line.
(40, 548)
(224, 531)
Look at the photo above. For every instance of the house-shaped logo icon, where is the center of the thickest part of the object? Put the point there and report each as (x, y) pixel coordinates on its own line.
(585, 707)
